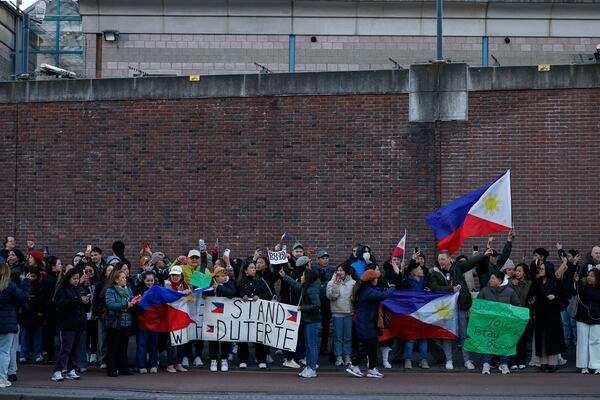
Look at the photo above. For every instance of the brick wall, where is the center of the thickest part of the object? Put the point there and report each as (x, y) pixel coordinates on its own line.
(234, 54)
(329, 169)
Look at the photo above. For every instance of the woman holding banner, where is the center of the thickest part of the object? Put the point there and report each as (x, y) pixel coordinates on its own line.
(547, 323)
(223, 287)
(175, 354)
(588, 323)
(251, 287)
(502, 294)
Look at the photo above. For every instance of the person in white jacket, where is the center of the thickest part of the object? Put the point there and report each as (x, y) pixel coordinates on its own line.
(339, 292)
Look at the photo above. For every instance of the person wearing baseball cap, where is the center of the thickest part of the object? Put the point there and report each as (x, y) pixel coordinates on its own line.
(367, 321)
(175, 354)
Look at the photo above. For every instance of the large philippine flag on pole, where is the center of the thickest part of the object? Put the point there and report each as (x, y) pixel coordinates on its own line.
(417, 314)
(484, 211)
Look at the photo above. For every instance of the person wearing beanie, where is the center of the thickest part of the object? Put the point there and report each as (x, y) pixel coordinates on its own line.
(366, 305)
(36, 259)
(222, 287)
(310, 306)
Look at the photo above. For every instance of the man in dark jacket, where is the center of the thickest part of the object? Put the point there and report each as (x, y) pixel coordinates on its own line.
(449, 277)
(496, 261)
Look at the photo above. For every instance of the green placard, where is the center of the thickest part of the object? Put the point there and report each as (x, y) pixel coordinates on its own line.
(495, 328)
(200, 280)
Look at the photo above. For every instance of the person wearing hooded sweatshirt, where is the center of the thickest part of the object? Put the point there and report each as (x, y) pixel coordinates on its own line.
(339, 293)
(495, 291)
(252, 287)
(309, 305)
(415, 280)
(366, 304)
(11, 298)
(71, 307)
(547, 324)
(222, 287)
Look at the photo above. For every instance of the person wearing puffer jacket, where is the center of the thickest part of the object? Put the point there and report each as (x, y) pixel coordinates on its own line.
(339, 293)
(495, 291)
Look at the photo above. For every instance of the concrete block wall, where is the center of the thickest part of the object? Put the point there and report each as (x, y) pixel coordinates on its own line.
(6, 64)
(234, 54)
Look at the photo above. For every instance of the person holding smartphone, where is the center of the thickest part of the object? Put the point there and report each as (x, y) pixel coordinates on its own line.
(339, 293)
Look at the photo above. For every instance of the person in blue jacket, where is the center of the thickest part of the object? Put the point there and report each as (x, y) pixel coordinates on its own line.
(366, 298)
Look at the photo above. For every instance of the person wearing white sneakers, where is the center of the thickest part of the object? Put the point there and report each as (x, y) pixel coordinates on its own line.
(310, 305)
(366, 304)
(72, 321)
(339, 293)
(176, 354)
(588, 322)
(222, 287)
(252, 287)
(501, 294)
(11, 297)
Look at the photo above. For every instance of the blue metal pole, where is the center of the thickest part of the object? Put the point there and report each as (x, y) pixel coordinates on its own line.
(485, 51)
(292, 46)
(440, 33)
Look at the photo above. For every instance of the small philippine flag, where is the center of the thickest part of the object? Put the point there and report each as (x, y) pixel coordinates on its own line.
(210, 329)
(293, 316)
(219, 308)
(285, 234)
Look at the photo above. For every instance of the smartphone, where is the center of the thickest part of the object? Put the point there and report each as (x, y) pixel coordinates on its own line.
(226, 252)
(475, 248)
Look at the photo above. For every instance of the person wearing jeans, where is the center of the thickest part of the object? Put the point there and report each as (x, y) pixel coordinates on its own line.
(146, 336)
(11, 297)
(310, 305)
(339, 293)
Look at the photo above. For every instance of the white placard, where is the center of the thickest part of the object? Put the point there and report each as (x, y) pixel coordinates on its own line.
(278, 257)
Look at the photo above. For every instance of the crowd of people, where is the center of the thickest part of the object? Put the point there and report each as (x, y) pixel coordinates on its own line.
(82, 311)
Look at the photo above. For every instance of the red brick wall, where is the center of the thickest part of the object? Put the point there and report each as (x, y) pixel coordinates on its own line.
(331, 170)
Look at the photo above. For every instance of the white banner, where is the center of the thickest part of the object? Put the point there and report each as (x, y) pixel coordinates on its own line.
(278, 257)
(234, 320)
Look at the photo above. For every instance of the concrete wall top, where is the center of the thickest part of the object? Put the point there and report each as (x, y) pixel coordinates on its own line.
(299, 84)
(352, 17)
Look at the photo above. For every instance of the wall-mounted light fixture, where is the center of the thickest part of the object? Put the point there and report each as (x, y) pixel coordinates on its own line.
(111, 36)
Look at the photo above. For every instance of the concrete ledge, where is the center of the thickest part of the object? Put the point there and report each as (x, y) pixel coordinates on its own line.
(299, 84)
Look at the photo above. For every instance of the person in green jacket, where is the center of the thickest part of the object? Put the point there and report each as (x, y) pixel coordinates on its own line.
(449, 277)
(310, 305)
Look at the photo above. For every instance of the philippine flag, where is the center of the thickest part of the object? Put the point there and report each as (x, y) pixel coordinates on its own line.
(484, 211)
(210, 328)
(416, 314)
(166, 310)
(219, 308)
(400, 247)
(293, 316)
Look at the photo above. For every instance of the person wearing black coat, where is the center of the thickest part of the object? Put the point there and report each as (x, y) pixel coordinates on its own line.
(11, 298)
(223, 287)
(72, 321)
(588, 322)
(49, 316)
(31, 323)
(252, 287)
(547, 323)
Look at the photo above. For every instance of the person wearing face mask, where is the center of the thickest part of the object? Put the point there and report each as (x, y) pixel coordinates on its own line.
(222, 287)
(363, 258)
(71, 306)
(146, 336)
(494, 291)
(522, 287)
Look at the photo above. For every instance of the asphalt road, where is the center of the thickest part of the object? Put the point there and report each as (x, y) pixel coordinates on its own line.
(34, 383)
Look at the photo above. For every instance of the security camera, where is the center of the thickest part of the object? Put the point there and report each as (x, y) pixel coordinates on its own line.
(57, 72)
